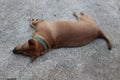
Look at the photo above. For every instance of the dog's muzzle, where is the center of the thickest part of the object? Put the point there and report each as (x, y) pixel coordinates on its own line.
(15, 51)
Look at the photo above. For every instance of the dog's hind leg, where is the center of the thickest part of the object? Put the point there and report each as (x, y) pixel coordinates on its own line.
(84, 14)
(80, 17)
(77, 16)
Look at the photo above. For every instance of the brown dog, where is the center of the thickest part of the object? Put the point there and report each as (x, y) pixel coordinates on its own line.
(49, 35)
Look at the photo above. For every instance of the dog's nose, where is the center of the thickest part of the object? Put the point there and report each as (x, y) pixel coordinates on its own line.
(14, 51)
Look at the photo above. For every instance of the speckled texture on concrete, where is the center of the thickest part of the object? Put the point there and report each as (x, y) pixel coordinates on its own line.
(91, 62)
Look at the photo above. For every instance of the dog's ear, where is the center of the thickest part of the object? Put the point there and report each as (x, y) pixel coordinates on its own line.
(33, 58)
(31, 42)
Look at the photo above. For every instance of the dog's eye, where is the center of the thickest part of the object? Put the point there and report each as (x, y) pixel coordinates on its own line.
(25, 47)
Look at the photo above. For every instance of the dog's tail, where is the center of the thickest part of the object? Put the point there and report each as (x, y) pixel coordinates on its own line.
(103, 36)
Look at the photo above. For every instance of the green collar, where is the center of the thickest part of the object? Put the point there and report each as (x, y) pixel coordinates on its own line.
(41, 41)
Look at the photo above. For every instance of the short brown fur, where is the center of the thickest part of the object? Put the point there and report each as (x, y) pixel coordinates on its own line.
(61, 34)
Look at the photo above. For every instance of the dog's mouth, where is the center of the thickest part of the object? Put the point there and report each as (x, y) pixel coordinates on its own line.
(19, 52)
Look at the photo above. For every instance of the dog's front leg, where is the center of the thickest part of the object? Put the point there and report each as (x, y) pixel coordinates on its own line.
(33, 23)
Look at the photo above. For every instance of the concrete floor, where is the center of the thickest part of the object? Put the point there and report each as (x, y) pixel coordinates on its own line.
(91, 62)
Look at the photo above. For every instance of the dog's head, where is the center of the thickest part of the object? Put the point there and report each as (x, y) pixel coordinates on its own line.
(30, 48)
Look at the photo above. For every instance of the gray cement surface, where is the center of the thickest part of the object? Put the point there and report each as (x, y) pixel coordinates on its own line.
(91, 62)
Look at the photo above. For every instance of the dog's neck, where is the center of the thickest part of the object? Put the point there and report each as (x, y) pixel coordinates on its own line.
(42, 42)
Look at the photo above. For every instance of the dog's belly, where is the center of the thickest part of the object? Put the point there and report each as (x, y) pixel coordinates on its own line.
(74, 34)
(73, 41)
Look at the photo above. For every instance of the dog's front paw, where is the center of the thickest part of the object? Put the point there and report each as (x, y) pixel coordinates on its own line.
(34, 22)
(35, 19)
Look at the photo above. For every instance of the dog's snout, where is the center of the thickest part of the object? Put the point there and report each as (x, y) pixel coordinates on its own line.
(14, 51)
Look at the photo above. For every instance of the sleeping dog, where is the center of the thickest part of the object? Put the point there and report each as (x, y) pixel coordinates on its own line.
(58, 34)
